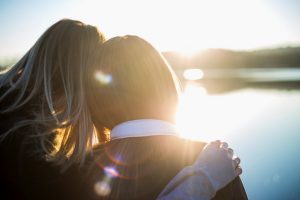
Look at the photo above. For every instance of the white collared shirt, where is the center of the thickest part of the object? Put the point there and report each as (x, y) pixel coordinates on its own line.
(143, 128)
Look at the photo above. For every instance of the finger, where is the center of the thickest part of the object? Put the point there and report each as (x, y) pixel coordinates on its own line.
(224, 145)
(214, 144)
(209, 147)
(236, 161)
(238, 171)
(230, 152)
(217, 142)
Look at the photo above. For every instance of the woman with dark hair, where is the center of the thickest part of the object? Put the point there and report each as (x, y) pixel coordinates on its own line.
(45, 122)
(133, 94)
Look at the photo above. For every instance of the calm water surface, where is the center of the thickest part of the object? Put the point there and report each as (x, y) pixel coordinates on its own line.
(262, 126)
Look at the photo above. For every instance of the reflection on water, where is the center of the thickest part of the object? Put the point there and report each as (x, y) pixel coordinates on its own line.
(254, 74)
(223, 80)
(193, 74)
(263, 127)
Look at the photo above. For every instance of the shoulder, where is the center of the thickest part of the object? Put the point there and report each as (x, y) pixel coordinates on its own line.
(153, 141)
(159, 147)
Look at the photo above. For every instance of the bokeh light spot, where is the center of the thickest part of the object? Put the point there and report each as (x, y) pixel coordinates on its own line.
(103, 78)
(111, 172)
(193, 74)
(102, 188)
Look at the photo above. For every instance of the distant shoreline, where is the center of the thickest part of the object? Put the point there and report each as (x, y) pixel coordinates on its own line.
(221, 58)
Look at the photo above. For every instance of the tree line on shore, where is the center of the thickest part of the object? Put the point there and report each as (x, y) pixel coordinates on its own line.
(288, 57)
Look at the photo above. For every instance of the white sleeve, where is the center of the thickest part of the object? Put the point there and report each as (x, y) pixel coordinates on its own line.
(190, 183)
(213, 169)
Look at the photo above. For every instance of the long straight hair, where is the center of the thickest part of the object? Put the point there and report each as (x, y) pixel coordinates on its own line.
(130, 80)
(52, 76)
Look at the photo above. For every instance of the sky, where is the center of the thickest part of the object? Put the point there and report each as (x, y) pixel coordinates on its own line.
(180, 25)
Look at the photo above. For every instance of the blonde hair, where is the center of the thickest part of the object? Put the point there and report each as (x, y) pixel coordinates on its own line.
(130, 80)
(52, 76)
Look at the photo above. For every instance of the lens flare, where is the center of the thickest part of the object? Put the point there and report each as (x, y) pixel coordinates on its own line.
(102, 188)
(193, 74)
(111, 172)
(103, 78)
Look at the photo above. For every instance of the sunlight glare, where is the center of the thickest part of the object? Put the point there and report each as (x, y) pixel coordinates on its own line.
(193, 74)
(208, 117)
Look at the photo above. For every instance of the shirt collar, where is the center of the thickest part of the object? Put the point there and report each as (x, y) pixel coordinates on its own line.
(143, 128)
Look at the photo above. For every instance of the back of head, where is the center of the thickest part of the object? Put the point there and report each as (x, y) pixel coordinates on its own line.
(52, 75)
(131, 80)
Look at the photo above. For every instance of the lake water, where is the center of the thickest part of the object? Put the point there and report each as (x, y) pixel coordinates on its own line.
(255, 74)
(263, 128)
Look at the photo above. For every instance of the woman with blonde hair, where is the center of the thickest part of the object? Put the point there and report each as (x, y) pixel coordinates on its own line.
(132, 95)
(45, 122)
